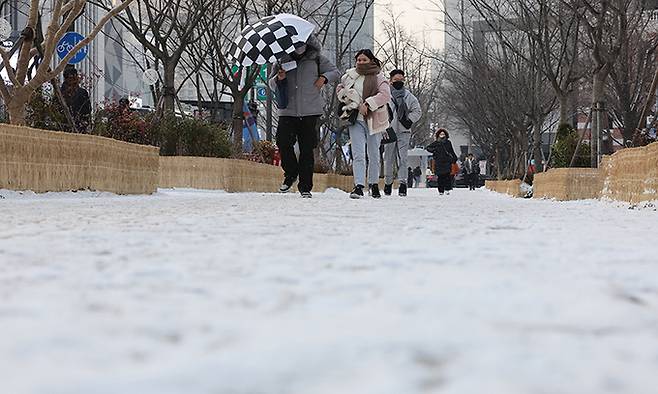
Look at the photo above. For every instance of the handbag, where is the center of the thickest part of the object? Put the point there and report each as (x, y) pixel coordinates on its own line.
(454, 169)
(389, 136)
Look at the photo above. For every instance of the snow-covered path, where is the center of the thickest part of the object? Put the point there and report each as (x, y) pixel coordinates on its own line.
(208, 292)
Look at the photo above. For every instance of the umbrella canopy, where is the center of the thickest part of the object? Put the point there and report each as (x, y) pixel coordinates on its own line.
(270, 38)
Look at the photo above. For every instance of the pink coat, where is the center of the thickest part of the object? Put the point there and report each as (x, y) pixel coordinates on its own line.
(378, 104)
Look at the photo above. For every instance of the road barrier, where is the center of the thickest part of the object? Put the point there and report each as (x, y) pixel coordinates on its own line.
(234, 175)
(568, 184)
(511, 187)
(629, 175)
(42, 161)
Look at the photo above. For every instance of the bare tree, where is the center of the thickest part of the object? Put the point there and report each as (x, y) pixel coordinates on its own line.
(165, 28)
(498, 95)
(631, 76)
(552, 31)
(18, 91)
(423, 67)
(606, 24)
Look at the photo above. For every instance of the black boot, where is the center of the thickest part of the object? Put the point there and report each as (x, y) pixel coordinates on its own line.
(402, 190)
(388, 189)
(374, 191)
(357, 192)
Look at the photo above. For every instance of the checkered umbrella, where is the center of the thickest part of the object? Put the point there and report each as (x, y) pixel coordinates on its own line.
(269, 39)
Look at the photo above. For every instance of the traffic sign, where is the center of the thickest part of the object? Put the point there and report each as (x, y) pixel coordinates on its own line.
(66, 44)
(261, 92)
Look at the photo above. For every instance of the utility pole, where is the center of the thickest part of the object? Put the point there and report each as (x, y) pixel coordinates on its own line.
(268, 91)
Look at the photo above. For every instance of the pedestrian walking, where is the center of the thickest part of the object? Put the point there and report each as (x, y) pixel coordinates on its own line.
(404, 110)
(471, 171)
(410, 177)
(417, 173)
(298, 81)
(77, 100)
(369, 86)
(444, 157)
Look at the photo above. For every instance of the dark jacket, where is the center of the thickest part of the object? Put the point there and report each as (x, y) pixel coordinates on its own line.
(302, 98)
(470, 168)
(77, 99)
(444, 156)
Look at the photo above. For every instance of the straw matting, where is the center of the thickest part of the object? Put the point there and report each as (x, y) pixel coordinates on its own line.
(43, 161)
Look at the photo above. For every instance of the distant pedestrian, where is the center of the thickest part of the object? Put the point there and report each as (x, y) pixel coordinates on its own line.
(417, 174)
(300, 105)
(471, 171)
(410, 177)
(404, 110)
(366, 82)
(77, 100)
(444, 158)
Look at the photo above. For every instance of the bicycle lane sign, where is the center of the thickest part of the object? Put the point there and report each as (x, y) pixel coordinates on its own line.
(66, 44)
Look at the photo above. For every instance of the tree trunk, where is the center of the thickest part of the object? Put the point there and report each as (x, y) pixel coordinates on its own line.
(169, 88)
(630, 120)
(564, 109)
(536, 146)
(16, 107)
(598, 101)
(237, 122)
(498, 163)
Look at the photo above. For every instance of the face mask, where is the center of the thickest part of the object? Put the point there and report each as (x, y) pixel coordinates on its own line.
(442, 137)
(398, 85)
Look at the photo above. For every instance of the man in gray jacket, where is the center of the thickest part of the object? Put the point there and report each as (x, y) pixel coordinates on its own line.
(404, 111)
(297, 82)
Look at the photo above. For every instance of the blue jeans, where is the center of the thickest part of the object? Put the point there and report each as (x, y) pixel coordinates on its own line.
(362, 141)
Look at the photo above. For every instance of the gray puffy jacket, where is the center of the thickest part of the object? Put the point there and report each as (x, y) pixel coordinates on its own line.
(304, 99)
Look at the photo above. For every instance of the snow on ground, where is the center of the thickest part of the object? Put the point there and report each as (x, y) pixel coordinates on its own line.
(209, 292)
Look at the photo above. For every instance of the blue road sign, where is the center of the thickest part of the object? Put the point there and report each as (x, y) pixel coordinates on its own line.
(261, 92)
(66, 44)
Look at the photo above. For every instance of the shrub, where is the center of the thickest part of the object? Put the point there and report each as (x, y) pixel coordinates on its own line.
(174, 136)
(120, 123)
(564, 147)
(45, 112)
(191, 137)
(264, 151)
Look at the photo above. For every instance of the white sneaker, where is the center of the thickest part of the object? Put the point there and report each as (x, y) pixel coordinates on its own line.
(287, 185)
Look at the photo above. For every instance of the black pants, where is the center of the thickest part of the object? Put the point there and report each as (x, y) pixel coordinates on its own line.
(471, 180)
(445, 182)
(304, 131)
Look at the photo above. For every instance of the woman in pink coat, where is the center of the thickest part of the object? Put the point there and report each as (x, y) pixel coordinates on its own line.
(368, 84)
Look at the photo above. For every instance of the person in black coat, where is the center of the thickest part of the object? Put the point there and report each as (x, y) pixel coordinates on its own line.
(410, 177)
(444, 157)
(77, 99)
(471, 171)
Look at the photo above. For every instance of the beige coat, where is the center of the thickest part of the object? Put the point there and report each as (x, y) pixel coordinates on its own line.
(377, 104)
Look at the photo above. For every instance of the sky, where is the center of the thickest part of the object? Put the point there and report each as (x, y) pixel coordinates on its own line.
(423, 18)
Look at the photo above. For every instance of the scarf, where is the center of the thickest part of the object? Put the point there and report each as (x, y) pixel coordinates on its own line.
(400, 103)
(370, 71)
